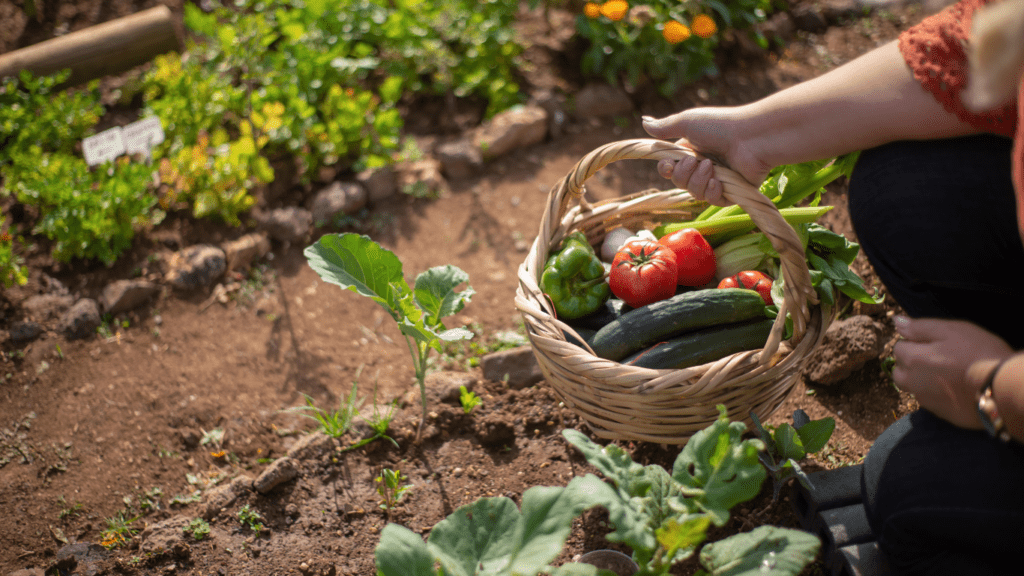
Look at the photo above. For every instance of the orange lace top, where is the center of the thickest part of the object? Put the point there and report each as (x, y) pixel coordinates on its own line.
(934, 50)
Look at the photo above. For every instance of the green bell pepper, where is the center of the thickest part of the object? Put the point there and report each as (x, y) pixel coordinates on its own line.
(574, 278)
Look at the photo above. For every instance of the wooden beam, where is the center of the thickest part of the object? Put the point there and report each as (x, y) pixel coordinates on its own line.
(102, 50)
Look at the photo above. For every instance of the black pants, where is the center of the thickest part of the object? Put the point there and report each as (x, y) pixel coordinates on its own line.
(937, 221)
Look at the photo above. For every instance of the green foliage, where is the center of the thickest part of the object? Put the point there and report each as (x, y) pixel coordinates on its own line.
(359, 264)
(250, 518)
(664, 517)
(469, 400)
(12, 265)
(787, 445)
(490, 536)
(119, 530)
(337, 423)
(88, 213)
(198, 528)
(658, 41)
(391, 487)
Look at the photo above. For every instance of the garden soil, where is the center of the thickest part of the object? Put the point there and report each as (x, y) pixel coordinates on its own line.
(172, 412)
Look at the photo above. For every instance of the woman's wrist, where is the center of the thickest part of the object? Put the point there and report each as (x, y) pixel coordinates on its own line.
(1008, 396)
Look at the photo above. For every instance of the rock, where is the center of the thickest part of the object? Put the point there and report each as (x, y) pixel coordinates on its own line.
(424, 174)
(555, 105)
(311, 446)
(289, 224)
(124, 295)
(838, 11)
(337, 198)
(44, 307)
(81, 320)
(242, 252)
(847, 346)
(602, 100)
(29, 572)
(380, 183)
(494, 429)
(281, 471)
(515, 128)
(195, 267)
(25, 331)
(80, 558)
(224, 496)
(165, 537)
(518, 364)
(459, 159)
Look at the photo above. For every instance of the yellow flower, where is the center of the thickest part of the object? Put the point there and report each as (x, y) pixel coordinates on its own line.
(615, 10)
(704, 26)
(675, 32)
(592, 10)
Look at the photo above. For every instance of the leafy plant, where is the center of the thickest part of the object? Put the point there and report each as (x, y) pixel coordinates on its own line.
(359, 264)
(119, 530)
(67, 509)
(337, 423)
(391, 487)
(12, 265)
(669, 43)
(786, 446)
(663, 517)
(250, 518)
(490, 536)
(198, 528)
(468, 399)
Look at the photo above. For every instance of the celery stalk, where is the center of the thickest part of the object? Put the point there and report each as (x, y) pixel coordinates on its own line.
(721, 229)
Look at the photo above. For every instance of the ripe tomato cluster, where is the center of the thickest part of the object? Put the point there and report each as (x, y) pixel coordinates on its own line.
(645, 270)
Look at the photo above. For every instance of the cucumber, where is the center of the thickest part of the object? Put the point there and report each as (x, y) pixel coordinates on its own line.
(703, 346)
(641, 327)
(585, 333)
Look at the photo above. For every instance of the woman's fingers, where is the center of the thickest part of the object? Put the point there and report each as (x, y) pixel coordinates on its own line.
(695, 176)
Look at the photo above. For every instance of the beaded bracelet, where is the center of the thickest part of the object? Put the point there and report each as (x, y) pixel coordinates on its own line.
(988, 412)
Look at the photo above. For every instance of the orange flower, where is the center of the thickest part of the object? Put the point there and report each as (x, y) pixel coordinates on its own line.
(675, 32)
(592, 10)
(704, 26)
(615, 10)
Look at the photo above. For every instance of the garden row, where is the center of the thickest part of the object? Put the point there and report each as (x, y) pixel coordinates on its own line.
(272, 89)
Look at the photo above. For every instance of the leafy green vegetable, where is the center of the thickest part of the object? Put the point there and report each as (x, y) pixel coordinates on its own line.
(359, 264)
(490, 536)
(764, 551)
(787, 445)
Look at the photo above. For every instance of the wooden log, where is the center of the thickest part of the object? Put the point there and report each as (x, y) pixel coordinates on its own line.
(109, 48)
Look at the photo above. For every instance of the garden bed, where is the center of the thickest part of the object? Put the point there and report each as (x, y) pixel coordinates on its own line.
(170, 410)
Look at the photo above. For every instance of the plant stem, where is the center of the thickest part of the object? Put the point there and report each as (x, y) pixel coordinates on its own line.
(419, 355)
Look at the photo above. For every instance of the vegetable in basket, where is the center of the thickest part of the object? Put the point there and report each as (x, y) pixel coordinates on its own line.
(643, 272)
(695, 259)
(574, 278)
(751, 280)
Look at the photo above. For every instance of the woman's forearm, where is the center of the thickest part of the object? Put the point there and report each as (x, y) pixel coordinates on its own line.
(867, 102)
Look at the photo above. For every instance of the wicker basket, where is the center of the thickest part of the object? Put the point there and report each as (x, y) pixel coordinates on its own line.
(622, 402)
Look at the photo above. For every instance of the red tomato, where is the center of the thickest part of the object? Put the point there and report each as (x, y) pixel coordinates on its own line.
(695, 259)
(752, 280)
(644, 271)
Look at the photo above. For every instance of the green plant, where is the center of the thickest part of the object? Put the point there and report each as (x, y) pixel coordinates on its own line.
(119, 529)
(359, 264)
(337, 423)
(787, 445)
(665, 42)
(469, 400)
(250, 519)
(392, 488)
(664, 517)
(12, 265)
(198, 528)
(67, 509)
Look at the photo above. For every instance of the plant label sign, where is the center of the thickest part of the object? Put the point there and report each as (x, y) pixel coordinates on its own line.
(140, 137)
(103, 147)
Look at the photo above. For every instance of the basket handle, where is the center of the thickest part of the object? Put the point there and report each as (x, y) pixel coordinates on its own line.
(798, 290)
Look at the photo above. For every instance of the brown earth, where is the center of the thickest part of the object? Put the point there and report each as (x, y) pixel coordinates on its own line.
(107, 425)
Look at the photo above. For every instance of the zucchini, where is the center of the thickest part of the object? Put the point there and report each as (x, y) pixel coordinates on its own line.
(703, 346)
(641, 327)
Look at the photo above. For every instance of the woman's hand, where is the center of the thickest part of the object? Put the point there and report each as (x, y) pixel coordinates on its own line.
(713, 133)
(932, 363)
